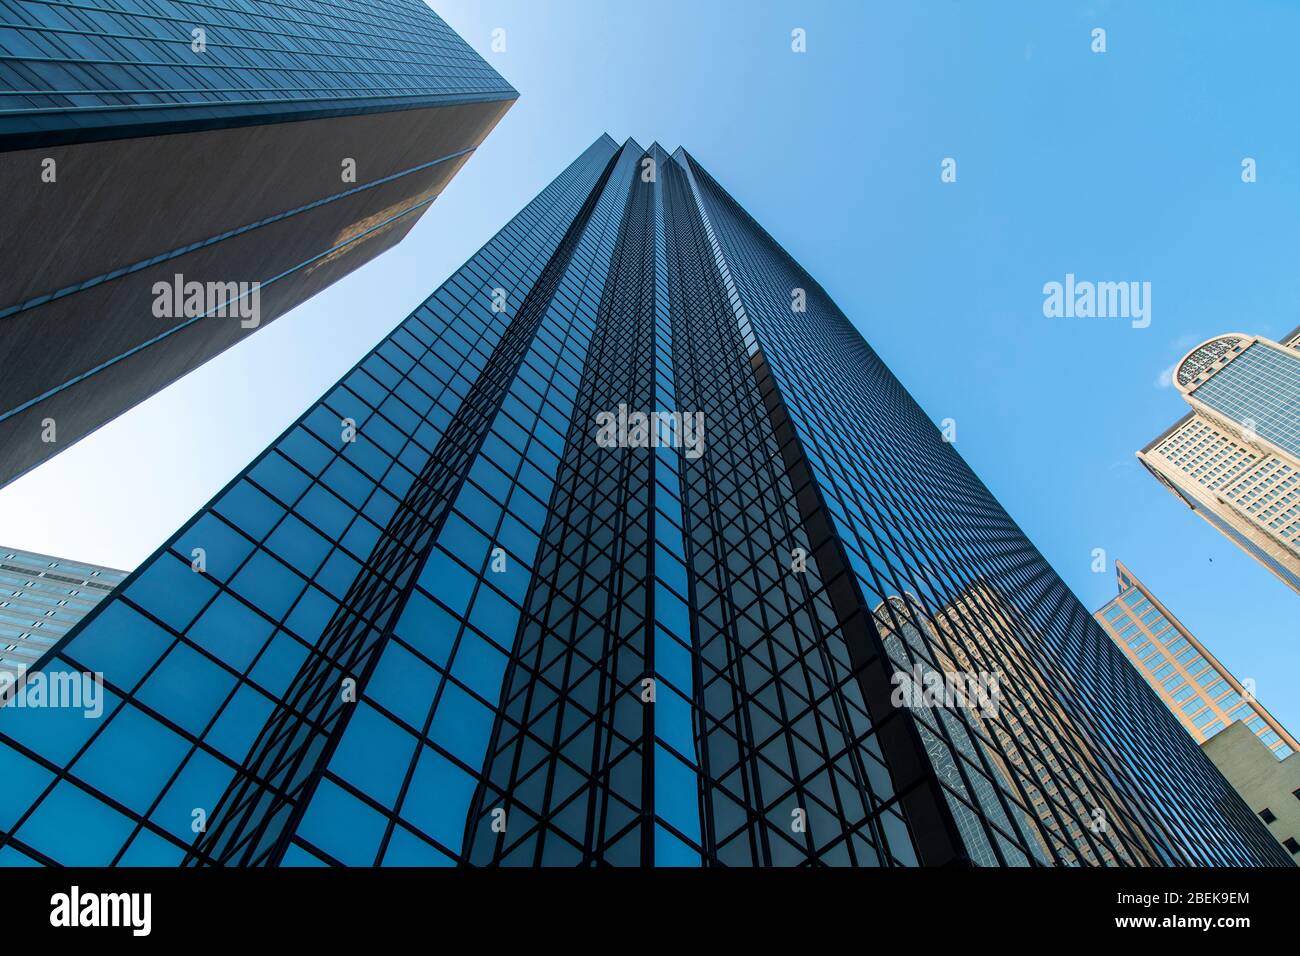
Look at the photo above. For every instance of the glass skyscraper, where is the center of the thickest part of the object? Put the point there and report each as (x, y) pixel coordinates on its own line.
(611, 553)
(176, 174)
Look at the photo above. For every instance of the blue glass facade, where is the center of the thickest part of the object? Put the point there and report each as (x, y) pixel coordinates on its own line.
(96, 66)
(441, 621)
(1261, 387)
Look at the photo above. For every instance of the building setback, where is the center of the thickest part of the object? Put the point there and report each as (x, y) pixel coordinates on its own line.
(454, 615)
(1235, 458)
(255, 151)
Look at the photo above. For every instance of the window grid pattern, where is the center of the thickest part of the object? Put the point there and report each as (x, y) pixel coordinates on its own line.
(1259, 390)
(785, 731)
(41, 598)
(1026, 744)
(442, 674)
(677, 794)
(434, 598)
(916, 521)
(1207, 455)
(1262, 491)
(444, 474)
(573, 760)
(1204, 697)
(250, 623)
(257, 56)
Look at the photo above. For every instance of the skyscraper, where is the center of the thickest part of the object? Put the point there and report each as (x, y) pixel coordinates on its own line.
(579, 566)
(41, 598)
(175, 176)
(1234, 459)
(1201, 692)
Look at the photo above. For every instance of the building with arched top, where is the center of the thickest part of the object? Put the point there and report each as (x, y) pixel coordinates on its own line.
(1235, 457)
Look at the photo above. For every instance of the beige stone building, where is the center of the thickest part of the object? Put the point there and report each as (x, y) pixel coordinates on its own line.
(1235, 457)
(1270, 787)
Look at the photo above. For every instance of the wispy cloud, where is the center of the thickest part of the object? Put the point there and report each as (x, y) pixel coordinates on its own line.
(1181, 346)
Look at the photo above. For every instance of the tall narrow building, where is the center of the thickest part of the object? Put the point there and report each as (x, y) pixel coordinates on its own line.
(1202, 693)
(175, 176)
(41, 598)
(1234, 459)
(613, 552)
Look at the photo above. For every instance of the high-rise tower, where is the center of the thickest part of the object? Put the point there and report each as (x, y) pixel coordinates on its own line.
(602, 557)
(1253, 750)
(173, 176)
(1234, 459)
(41, 598)
(1201, 692)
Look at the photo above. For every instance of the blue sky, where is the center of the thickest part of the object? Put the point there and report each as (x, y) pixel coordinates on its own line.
(1116, 166)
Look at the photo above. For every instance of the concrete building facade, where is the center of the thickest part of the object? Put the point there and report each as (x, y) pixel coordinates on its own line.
(1234, 459)
(1269, 786)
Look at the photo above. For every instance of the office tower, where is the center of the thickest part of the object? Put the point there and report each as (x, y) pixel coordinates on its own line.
(578, 566)
(1270, 787)
(1234, 459)
(176, 175)
(1201, 692)
(40, 599)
